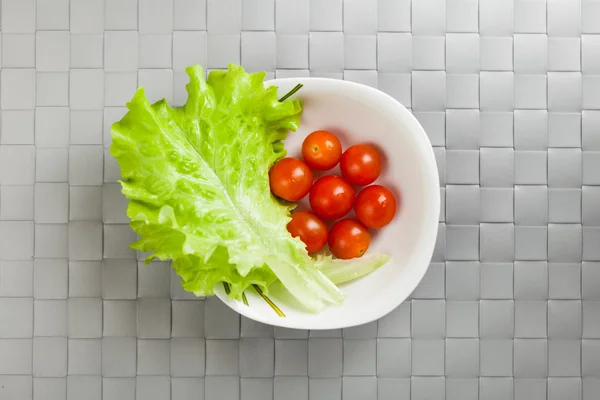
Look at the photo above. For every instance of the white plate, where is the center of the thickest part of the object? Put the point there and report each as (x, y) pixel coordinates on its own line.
(361, 114)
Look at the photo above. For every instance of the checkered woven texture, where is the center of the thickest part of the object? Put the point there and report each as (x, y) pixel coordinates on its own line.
(509, 94)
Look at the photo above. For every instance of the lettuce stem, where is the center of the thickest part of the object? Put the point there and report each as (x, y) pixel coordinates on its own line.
(256, 287)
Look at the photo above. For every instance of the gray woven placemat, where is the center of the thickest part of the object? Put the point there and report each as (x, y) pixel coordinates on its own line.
(509, 93)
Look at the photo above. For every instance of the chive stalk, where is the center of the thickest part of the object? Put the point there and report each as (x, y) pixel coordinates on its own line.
(291, 92)
(269, 302)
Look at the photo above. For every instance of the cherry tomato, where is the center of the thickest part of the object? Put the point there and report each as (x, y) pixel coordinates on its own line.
(321, 150)
(360, 164)
(375, 206)
(290, 179)
(310, 229)
(331, 197)
(348, 238)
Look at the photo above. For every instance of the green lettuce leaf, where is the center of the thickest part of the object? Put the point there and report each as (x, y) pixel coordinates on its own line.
(197, 180)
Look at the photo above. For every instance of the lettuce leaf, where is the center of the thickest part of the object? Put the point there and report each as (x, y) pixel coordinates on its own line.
(197, 180)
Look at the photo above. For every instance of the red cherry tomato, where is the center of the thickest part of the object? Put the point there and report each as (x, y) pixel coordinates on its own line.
(321, 150)
(310, 229)
(360, 164)
(331, 197)
(348, 238)
(290, 179)
(375, 206)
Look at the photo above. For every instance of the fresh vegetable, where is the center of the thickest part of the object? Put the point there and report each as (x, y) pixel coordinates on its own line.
(197, 178)
(331, 197)
(290, 179)
(310, 229)
(321, 150)
(348, 238)
(360, 164)
(291, 92)
(375, 206)
(199, 181)
(341, 271)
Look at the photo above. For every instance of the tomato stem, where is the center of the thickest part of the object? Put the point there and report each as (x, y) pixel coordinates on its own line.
(291, 92)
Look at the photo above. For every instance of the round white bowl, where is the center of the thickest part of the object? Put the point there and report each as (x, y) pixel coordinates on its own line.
(361, 114)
